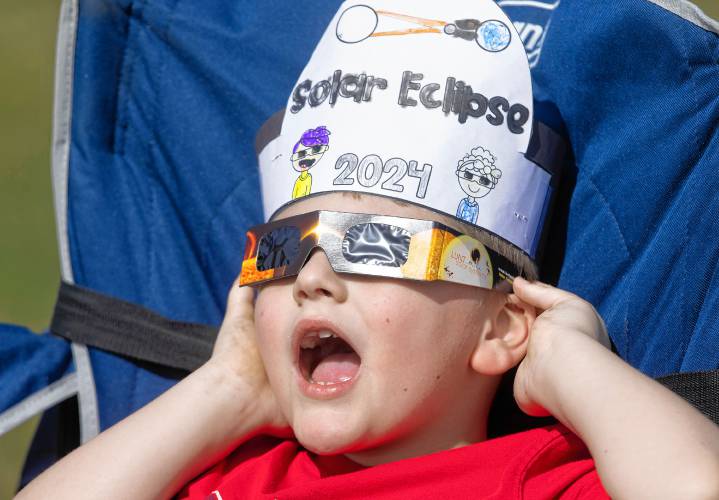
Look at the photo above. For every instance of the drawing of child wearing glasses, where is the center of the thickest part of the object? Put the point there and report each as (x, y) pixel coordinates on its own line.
(477, 176)
(307, 153)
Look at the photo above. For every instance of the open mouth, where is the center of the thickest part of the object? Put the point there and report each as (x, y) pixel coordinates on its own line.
(307, 163)
(327, 359)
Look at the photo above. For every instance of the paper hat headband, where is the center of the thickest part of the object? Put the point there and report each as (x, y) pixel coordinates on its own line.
(427, 102)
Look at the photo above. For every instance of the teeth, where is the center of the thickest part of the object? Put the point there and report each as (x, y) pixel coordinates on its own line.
(309, 341)
(341, 380)
(312, 339)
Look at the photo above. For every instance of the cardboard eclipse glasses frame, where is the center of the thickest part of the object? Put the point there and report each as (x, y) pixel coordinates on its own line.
(373, 245)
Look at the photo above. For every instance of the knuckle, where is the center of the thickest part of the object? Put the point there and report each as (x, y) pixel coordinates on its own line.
(581, 304)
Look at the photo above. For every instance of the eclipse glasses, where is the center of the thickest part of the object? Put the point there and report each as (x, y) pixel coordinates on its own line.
(373, 245)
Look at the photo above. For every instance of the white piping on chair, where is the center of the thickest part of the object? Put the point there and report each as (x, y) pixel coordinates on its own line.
(690, 12)
(61, 142)
(86, 394)
(55, 393)
(61, 126)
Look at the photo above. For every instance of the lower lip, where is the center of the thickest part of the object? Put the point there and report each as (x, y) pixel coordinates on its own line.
(325, 391)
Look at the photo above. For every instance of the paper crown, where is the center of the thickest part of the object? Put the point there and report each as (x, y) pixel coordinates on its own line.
(427, 102)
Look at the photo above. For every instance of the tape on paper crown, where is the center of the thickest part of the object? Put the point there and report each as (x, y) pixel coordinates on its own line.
(428, 102)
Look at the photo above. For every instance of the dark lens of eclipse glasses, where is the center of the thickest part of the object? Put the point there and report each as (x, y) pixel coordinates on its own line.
(278, 248)
(376, 244)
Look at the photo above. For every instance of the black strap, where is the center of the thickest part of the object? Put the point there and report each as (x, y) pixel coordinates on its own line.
(88, 317)
(549, 150)
(701, 389)
(269, 131)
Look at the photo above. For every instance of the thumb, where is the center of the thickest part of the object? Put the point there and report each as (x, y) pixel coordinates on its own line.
(240, 302)
(540, 295)
(239, 318)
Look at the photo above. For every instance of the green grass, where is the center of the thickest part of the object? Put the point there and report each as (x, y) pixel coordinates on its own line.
(13, 446)
(28, 254)
(710, 7)
(29, 271)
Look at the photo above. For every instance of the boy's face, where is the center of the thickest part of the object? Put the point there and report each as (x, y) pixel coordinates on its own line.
(398, 382)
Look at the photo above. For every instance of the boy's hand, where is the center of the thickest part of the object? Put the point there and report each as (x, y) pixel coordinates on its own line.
(236, 355)
(184, 431)
(646, 441)
(562, 317)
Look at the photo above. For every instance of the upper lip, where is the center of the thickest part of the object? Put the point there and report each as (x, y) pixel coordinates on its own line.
(307, 325)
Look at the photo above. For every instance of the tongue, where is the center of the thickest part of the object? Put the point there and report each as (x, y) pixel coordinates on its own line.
(336, 368)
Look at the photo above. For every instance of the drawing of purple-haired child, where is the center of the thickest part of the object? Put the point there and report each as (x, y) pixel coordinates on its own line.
(306, 154)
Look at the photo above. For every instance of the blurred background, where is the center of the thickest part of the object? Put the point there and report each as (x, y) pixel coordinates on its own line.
(29, 266)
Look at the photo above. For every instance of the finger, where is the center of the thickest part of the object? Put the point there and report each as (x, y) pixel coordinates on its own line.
(540, 295)
(239, 317)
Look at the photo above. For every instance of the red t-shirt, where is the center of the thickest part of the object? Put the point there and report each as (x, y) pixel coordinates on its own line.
(550, 462)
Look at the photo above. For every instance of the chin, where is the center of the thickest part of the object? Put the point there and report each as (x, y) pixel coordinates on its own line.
(327, 436)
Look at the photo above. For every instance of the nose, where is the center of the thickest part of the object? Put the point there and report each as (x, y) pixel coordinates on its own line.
(317, 279)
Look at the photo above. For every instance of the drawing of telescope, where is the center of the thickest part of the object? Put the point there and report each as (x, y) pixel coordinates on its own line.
(360, 22)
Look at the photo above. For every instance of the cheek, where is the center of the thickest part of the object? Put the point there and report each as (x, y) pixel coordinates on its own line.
(267, 323)
(272, 324)
(422, 337)
(395, 313)
(404, 326)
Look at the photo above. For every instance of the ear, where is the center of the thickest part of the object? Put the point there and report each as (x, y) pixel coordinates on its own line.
(503, 342)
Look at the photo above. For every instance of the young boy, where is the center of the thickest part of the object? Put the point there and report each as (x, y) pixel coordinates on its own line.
(367, 363)
(430, 358)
